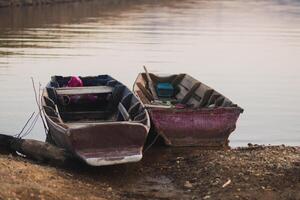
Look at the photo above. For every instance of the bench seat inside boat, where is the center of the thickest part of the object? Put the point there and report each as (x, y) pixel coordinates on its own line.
(84, 90)
(114, 102)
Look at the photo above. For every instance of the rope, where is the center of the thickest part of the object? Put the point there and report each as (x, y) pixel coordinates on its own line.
(19, 134)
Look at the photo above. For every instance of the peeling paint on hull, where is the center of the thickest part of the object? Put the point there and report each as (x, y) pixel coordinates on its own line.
(195, 127)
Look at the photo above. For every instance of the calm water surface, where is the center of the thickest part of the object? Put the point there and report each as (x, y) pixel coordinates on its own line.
(248, 50)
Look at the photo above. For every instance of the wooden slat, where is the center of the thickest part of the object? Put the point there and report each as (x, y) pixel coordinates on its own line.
(126, 100)
(201, 90)
(145, 91)
(226, 103)
(50, 111)
(134, 109)
(141, 118)
(188, 82)
(190, 93)
(123, 112)
(206, 97)
(84, 90)
(117, 94)
(150, 84)
(182, 92)
(49, 102)
(178, 79)
(213, 98)
(219, 101)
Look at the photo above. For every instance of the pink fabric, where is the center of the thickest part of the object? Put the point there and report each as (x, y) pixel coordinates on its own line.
(75, 81)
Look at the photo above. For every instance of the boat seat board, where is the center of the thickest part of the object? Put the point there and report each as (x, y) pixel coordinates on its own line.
(84, 115)
(84, 90)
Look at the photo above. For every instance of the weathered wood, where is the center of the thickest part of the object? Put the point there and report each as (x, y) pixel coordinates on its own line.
(50, 111)
(150, 84)
(206, 97)
(134, 110)
(188, 82)
(123, 112)
(33, 149)
(84, 90)
(49, 102)
(190, 93)
(5, 141)
(178, 79)
(145, 91)
(40, 151)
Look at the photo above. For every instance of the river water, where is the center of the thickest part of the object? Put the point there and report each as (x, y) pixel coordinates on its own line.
(247, 50)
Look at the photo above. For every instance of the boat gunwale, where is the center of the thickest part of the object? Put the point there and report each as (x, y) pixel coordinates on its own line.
(190, 109)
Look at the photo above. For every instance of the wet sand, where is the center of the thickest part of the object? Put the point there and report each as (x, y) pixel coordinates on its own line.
(255, 172)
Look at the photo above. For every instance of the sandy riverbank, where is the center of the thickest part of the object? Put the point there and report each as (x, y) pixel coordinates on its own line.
(165, 173)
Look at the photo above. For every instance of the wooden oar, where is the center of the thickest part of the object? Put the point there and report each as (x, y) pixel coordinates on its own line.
(150, 84)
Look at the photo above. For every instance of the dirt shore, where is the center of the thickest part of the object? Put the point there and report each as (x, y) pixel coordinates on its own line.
(256, 172)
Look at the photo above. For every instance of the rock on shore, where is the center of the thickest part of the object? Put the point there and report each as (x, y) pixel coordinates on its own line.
(255, 172)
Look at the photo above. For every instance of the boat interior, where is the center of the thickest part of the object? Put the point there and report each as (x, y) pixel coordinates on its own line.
(100, 99)
(179, 89)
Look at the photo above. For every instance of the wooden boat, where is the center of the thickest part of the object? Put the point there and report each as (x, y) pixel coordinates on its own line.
(192, 115)
(102, 122)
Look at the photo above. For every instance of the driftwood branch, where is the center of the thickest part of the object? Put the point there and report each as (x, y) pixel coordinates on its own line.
(33, 149)
(5, 141)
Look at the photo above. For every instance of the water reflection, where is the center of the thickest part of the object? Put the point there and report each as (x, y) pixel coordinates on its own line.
(247, 50)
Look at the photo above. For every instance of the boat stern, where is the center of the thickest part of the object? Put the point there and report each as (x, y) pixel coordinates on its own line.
(109, 143)
(111, 156)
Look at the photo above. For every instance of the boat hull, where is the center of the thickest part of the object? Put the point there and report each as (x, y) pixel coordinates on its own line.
(101, 144)
(195, 127)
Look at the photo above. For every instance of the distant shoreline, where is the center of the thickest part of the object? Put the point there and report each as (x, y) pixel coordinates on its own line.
(19, 3)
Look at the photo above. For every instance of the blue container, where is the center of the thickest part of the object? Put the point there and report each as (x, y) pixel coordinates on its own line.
(165, 90)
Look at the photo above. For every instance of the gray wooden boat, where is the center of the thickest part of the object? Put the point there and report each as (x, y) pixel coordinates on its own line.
(186, 112)
(101, 122)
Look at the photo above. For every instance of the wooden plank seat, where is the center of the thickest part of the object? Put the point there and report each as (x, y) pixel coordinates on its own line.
(85, 115)
(84, 90)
